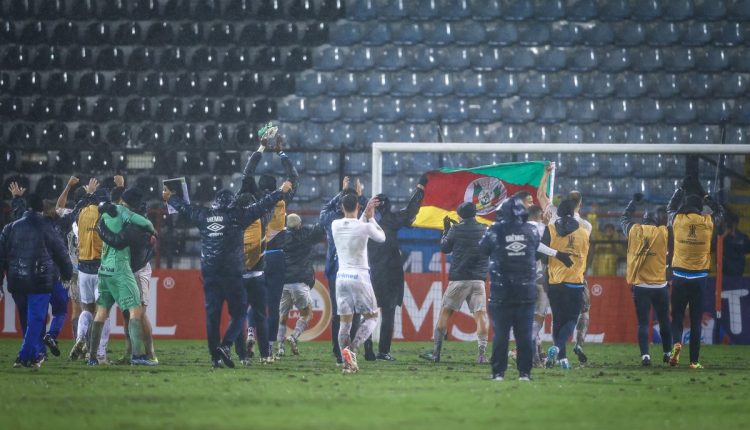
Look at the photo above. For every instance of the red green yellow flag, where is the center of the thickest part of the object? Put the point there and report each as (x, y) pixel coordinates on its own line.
(486, 186)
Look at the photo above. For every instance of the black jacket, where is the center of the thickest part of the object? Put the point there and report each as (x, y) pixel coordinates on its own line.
(511, 244)
(298, 244)
(386, 266)
(462, 241)
(221, 232)
(31, 255)
(140, 241)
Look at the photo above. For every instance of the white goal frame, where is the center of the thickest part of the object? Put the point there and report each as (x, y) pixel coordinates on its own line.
(378, 148)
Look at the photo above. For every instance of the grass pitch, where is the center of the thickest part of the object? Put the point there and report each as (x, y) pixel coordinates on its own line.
(611, 392)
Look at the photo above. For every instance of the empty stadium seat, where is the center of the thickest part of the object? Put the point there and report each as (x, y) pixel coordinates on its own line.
(470, 35)
(28, 83)
(549, 10)
(187, 84)
(219, 84)
(47, 57)
(298, 59)
(390, 58)
(141, 59)
(316, 33)
(110, 58)
(486, 59)
(664, 34)
(154, 84)
(582, 10)
(65, 33)
(406, 33)
(600, 34)
(128, 34)
(517, 10)
(328, 59)
(677, 10)
(42, 108)
(374, 84)
(149, 136)
(293, 109)
(123, 84)
(534, 85)
(502, 34)
(583, 111)
(250, 84)
(439, 34)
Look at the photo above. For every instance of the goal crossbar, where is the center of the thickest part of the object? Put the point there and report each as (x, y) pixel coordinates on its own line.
(378, 148)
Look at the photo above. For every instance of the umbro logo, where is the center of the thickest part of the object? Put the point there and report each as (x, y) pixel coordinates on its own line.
(516, 247)
(215, 227)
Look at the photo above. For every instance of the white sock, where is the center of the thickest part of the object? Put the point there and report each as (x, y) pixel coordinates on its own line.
(344, 337)
(299, 327)
(102, 351)
(282, 333)
(84, 321)
(366, 328)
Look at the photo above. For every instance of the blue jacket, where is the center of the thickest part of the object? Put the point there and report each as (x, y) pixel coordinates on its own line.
(221, 231)
(31, 255)
(511, 244)
(331, 212)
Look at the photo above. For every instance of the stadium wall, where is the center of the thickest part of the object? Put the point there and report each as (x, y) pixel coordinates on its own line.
(176, 310)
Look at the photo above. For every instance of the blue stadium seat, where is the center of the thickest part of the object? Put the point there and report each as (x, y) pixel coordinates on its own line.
(58, 84)
(583, 60)
(616, 111)
(714, 111)
(145, 9)
(486, 10)
(711, 10)
(235, 59)
(407, 33)
(376, 34)
(712, 60)
(8, 32)
(182, 136)
(73, 109)
(453, 111)
(608, 133)
(315, 33)
(453, 59)
(123, 84)
(149, 136)
(201, 109)
(393, 10)
(703, 134)
(666, 85)
(297, 59)
(356, 163)
(549, 10)
(360, 59)
(600, 34)
(730, 34)
(647, 111)
(112, 10)
(732, 86)
(439, 34)
(737, 135)
(551, 60)
(534, 85)
(128, 34)
(516, 60)
(65, 33)
(662, 34)
(485, 59)
(469, 35)
(252, 34)
(263, 109)
(221, 34)
(518, 10)
(138, 109)
(678, 10)
(551, 111)
(345, 33)
(118, 135)
(566, 85)
(424, 161)
(423, 59)
(599, 85)
(681, 112)
(649, 60)
(216, 136)
(425, 10)
(503, 133)
(406, 84)
(631, 85)
(583, 111)
(581, 10)
(363, 10)
(454, 10)
(616, 60)
(377, 133)
(533, 34)
(155, 83)
(80, 58)
(375, 84)
(331, 10)
(169, 109)
(387, 110)
(647, 10)
(187, 84)
(309, 189)
(310, 84)
(629, 33)
(328, 58)
(502, 84)
(356, 110)
(566, 34)
(321, 163)
(519, 111)
(421, 110)
(232, 109)
(301, 10)
(438, 85)
(390, 58)
(270, 10)
(617, 165)
(470, 84)
(697, 34)
(679, 59)
(337, 135)
(54, 81)
(325, 110)
(28, 83)
(173, 59)
(54, 135)
(502, 33)
(141, 58)
(485, 110)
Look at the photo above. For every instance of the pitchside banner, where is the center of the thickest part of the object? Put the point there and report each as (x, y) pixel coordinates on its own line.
(176, 310)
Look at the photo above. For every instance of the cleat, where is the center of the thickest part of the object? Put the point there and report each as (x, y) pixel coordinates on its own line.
(78, 350)
(695, 366)
(245, 363)
(280, 351)
(497, 377)
(674, 360)
(142, 361)
(482, 359)
(551, 357)
(92, 362)
(267, 360)
(339, 362)
(103, 360)
(18, 363)
(430, 356)
(216, 364)
(293, 345)
(578, 350)
(51, 343)
(525, 377)
(565, 364)
(224, 353)
(346, 370)
(385, 357)
(666, 357)
(350, 358)
(646, 360)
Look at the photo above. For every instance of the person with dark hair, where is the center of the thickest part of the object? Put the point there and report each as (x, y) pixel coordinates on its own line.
(511, 244)
(299, 278)
(140, 241)
(736, 247)
(387, 266)
(648, 242)
(466, 278)
(32, 256)
(264, 260)
(222, 260)
(353, 286)
(332, 211)
(692, 233)
(566, 284)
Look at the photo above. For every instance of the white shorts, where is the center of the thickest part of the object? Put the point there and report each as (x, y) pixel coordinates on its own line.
(88, 285)
(297, 295)
(143, 279)
(354, 293)
(471, 292)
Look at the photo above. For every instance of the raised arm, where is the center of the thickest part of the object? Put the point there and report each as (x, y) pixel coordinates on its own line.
(718, 212)
(541, 192)
(405, 217)
(18, 203)
(62, 201)
(626, 219)
(250, 214)
(291, 172)
(448, 239)
(674, 204)
(248, 173)
(193, 213)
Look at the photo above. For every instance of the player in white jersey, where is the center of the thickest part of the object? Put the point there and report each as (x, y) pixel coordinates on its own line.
(354, 293)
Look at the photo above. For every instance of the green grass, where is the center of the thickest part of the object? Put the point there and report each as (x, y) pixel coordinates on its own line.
(309, 392)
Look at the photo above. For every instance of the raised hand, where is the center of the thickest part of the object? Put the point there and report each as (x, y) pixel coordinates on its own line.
(345, 184)
(279, 143)
(73, 181)
(92, 186)
(286, 186)
(360, 187)
(16, 190)
(119, 181)
(549, 167)
(370, 208)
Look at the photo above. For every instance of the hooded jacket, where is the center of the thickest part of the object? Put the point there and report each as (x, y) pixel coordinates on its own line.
(32, 254)
(511, 244)
(221, 228)
(387, 268)
(298, 244)
(461, 241)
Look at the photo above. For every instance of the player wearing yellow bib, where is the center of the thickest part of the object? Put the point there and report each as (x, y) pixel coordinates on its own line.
(692, 232)
(647, 273)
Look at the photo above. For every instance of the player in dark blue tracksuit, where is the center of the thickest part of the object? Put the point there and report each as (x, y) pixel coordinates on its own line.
(221, 228)
(511, 243)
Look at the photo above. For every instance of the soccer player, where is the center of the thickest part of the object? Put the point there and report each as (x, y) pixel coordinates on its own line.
(466, 278)
(72, 242)
(222, 260)
(299, 277)
(692, 231)
(550, 213)
(32, 254)
(566, 284)
(354, 292)
(332, 211)
(511, 244)
(140, 241)
(647, 273)
(388, 269)
(542, 301)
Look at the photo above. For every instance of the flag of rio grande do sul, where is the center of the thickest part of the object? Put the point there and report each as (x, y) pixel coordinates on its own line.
(485, 186)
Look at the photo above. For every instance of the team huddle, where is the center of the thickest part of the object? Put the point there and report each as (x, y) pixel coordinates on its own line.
(257, 257)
